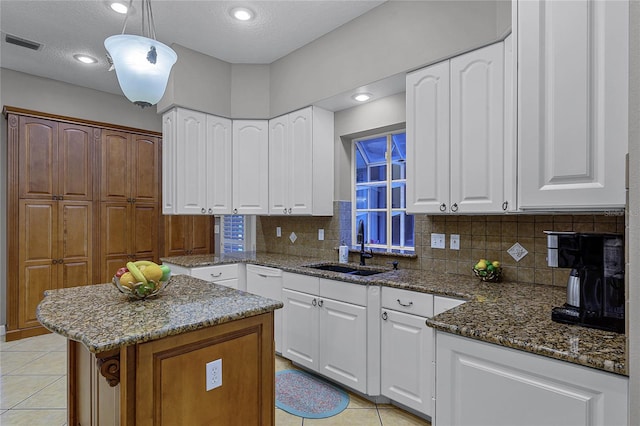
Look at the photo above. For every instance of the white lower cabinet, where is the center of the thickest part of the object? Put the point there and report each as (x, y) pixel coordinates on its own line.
(479, 383)
(406, 352)
(326, 334)
(267, 282)
(231, 275)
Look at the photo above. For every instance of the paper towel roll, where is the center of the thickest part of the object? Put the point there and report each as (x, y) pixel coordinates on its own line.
(343, 254)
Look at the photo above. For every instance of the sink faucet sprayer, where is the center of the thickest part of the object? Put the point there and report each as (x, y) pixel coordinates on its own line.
(363, 254)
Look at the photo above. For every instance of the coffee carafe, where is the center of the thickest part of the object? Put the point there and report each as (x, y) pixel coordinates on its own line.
(595, 288)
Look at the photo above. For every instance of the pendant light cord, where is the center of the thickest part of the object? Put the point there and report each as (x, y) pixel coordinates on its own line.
(147, 17)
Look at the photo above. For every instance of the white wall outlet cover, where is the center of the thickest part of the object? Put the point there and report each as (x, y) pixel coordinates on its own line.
(454, 242)
(278, 231)
(320, 234)
(517, 252)
(293, 237)
(437, 241)
(216, 229)
(214, 374)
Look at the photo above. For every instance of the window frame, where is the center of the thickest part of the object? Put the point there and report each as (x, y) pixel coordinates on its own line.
(249, 237)
(389, 209)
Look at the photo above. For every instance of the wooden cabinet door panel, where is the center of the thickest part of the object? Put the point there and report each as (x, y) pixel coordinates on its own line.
(74, 273)
(201, 234)
(115, 166)
(76, 249)
(144, 168)
(175, 240)
(34, 280)
(38, 145)
(114, 238)
(144, 231)
(75, 162)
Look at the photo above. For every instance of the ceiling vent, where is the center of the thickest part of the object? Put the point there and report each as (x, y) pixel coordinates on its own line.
(11, 39)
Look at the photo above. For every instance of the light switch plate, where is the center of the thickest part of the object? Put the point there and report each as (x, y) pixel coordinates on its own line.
(454, 242)
(278, 232)
(437, 241)
(320, 234)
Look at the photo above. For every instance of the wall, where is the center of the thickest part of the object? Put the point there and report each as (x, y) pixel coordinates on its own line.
(250, 91)
(44, 95)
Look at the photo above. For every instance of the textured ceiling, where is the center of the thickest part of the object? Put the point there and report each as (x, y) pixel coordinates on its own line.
(65, 28)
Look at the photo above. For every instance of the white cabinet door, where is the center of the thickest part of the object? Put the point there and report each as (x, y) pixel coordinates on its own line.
(343, 343)
(250, 167)
(279, 172)
(267, 282)
(191, 162)
(218, 165)
(483, 384)
(169, 146)
(300, 328)
(406, 360)
(572, 103)
(301, 163)
(477, 127)
(428, 139)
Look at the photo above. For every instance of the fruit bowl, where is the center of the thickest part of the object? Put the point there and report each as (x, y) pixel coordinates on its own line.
(140, 290)
(492, 276)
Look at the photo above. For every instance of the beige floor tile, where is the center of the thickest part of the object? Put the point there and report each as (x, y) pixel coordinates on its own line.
(398, 417)
(53, 396)
(15, 389)
(349, 417)
(11, 361)
(44, 343)
(283, 364)
(356, 401)
(5, 346)
(54, 363)
(33, 417)
(285, 419)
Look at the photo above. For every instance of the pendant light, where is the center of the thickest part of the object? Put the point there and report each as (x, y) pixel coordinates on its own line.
(142, 63)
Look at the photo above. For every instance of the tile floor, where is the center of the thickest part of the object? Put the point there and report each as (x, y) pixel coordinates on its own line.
(33, 385)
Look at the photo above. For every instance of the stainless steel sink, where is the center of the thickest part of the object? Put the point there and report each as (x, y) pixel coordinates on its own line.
(349, 270)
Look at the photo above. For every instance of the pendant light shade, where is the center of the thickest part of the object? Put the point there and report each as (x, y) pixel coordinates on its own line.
(142, 66)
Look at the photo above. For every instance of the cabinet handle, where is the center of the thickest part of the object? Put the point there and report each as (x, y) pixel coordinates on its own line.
(405, 305)
(219, 274)
(443, 207)
(133, 200)
(203, 211)
(289, 210)
(54, 197)
(314, 302)
(320, 303)
(54, 261)
(235, 211)
(60, 197)
(384, 315)
(60, 261)
(505, 205)
(454, 207)
(128, 200)
(210, 211)
(284, 210)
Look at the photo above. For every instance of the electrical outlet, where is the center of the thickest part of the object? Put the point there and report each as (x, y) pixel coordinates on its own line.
(320, 234)
(437, 241)
(278, 232)
(214, 374)
(454, 242)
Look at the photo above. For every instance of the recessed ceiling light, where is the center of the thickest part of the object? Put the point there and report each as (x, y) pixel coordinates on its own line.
(242, 13)
(119, 7)
(85, 59)
(361, 97)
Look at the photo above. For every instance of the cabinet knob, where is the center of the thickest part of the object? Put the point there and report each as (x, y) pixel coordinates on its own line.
(443, 207)
(128, 200)
(505, 205)
(235, 211)
(284, 210)
(210, 211)
(289, 210)
(60, 197)
(314, 302)
(203, 210)
(384, 315)
(54, 261)
(454, 207)
(133, 200)
(320, 303)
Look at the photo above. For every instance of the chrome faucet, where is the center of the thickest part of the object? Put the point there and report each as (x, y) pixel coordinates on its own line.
(363, 254)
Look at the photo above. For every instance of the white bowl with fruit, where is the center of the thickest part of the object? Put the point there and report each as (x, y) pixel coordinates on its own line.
(142, 279)
(486, 270)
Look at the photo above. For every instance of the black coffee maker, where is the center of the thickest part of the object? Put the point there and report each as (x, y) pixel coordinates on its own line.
(595, 291)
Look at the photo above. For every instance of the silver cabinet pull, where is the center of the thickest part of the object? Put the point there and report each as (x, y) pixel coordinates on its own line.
(385, 316)
(289, 210)
(219, 274)
(443, 207)
(505, 205)
(405, 305)
(235, 211)
(454, 207)
(314, 302)
(320, 303)
(284, 210)
(210, 211)
(203, 210)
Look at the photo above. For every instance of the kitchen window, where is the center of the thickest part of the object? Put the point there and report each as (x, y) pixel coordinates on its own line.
(238, 233)
(379, 193)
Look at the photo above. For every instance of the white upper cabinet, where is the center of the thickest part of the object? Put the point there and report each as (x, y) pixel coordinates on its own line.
(196, 172)
(250, 167)
(455, 135)
(572, 103)
(301, 163)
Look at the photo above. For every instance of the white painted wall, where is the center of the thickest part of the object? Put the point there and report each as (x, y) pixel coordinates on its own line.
(250, 91)
(54, 97)
(372, 117)
(392, 38)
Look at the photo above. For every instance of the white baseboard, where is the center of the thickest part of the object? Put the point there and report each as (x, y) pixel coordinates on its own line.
(3, 330)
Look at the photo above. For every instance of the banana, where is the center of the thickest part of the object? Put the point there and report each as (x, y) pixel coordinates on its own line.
(136, 272)
(143, 263)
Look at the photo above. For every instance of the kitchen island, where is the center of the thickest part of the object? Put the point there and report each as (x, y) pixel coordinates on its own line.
(143, 362)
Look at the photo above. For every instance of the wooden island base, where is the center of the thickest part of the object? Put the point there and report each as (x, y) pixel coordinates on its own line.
(163, 382)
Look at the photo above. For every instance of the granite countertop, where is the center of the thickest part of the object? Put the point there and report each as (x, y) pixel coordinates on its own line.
(509, 314)
(102, 318)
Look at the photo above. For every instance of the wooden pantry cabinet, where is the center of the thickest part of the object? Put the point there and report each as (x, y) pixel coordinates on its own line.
(83, 197)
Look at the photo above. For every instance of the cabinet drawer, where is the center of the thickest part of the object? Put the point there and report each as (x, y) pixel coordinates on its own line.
(411, 302)
(216, 273)
(343, 291)
(299, 282)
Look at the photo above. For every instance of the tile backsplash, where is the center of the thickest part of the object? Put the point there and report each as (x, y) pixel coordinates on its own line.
(480, 237)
